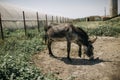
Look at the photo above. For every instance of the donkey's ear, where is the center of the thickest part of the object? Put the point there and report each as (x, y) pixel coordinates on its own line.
(93, 40)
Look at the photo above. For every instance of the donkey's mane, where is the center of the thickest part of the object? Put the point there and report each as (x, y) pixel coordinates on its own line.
(80, 32)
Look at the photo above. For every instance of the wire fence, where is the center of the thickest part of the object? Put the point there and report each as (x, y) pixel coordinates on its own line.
(26, 22)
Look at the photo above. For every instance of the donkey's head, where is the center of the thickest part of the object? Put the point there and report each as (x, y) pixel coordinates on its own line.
(89, 49)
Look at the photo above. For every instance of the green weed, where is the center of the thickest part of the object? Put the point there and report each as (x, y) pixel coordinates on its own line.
(15, 55)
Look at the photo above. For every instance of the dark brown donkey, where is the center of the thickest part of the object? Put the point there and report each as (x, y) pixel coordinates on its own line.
(71, 34)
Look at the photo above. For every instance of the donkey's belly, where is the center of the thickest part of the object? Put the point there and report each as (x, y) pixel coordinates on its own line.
(59, 39)
(71, 37)
(64, 39)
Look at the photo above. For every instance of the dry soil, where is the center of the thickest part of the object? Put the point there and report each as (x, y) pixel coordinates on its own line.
(107, 67)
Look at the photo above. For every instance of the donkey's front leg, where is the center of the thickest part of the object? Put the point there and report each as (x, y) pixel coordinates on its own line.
(79, 52)
(68, 50)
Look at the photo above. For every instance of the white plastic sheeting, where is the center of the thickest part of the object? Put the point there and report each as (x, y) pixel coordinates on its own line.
(12, 16)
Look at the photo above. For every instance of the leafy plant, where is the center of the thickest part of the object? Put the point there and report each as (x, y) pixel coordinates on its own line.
(104, 31)
(15, 56)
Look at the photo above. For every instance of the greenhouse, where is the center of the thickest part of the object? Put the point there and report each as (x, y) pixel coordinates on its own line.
(12, 16)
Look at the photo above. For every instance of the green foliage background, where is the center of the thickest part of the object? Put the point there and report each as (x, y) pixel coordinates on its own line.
(101, 28)
(16, 52)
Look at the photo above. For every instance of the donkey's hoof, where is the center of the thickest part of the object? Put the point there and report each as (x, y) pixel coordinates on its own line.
(69, 59)
(97, 59)
(79, 55)
(51, 55)
(91, 59)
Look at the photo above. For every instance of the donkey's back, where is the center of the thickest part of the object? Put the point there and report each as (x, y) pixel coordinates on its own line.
(58, 32)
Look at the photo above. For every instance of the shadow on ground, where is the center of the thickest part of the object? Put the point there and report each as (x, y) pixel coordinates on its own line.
(77, 61)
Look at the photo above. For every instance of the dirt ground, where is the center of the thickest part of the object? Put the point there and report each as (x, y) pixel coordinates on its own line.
(107, 67)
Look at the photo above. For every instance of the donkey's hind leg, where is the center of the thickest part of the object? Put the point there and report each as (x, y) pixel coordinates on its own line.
(49, 48)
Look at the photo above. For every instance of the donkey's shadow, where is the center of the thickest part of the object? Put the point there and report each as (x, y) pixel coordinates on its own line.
(78, 61)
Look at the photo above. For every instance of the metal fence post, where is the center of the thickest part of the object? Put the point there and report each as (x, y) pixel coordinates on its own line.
(46, 20)
(56, 19)
(1, 27)
(38, 22)
(52, 19)
(25, 27)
